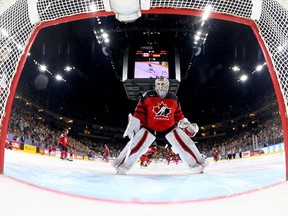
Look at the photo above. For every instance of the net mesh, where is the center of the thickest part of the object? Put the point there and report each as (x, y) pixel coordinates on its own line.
(274, 31)
(19, 18)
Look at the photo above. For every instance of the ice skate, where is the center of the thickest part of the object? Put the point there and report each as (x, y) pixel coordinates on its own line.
(202, 168)
(121, 170)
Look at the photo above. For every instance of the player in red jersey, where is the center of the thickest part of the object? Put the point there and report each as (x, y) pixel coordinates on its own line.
(50, 149)
(158, 116)
(215, 155)
(8, 145)
(171, 154)
(106, 154)
(63, 141)
(145, 159)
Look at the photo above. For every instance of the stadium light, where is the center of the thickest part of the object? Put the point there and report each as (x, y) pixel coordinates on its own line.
(42, 68)
(243, 78)
(207, 12)
(58, 77)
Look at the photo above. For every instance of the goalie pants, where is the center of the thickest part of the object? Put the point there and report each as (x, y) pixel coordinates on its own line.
(181, 143)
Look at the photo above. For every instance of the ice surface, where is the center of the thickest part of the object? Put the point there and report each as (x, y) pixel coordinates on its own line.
(157, 183)
(160, 189)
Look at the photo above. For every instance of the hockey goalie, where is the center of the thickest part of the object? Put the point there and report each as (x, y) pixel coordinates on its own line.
(158, 117)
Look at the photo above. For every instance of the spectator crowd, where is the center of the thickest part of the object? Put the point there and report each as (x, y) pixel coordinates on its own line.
(27, 128)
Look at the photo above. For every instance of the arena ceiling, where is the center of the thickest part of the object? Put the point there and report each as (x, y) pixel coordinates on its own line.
(93, 90)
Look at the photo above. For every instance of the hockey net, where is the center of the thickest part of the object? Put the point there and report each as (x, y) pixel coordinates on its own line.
(21, 20)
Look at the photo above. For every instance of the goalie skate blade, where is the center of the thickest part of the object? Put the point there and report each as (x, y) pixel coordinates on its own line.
(201, 170)
(119, 173)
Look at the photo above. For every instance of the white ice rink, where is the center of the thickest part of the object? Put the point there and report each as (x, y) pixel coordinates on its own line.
(42, 185)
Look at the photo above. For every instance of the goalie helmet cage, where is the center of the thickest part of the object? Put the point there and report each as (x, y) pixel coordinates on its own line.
(21, 20)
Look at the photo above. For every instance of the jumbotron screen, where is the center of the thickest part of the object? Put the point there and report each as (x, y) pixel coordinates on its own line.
(151, 64)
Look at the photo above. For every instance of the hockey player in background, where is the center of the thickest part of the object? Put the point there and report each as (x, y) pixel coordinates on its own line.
(106, 153)
(215, 155)
(51, 149)
(71, 154)
(171, 154)
(146, 158)
(158, 116)
(63, 141)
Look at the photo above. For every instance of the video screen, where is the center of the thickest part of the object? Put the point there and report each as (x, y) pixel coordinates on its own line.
(151, 69)
(150, 63)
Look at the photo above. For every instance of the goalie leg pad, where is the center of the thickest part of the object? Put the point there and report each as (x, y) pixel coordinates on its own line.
(182, 144)
(132, 127)
(138, 146)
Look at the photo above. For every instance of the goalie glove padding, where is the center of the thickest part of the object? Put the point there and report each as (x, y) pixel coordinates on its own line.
(188, 128)
(183, 123)
(191, 129)
(132, 127)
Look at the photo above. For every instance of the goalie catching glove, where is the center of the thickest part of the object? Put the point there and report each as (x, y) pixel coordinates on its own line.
(189, 128)
(132, 127)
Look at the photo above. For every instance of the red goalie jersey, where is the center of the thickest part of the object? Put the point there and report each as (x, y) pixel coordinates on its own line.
(158, 114)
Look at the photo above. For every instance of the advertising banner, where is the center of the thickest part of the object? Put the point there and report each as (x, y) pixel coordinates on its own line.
(30, 149)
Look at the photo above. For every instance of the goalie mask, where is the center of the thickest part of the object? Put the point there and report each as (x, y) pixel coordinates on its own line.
(161, 86)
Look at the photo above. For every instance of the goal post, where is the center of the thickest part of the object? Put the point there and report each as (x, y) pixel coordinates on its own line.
(21, 20)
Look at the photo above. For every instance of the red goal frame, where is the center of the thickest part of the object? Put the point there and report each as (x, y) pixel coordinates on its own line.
(188, 12)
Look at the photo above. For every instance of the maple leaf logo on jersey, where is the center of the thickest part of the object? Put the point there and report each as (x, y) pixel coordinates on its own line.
(161, 110)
